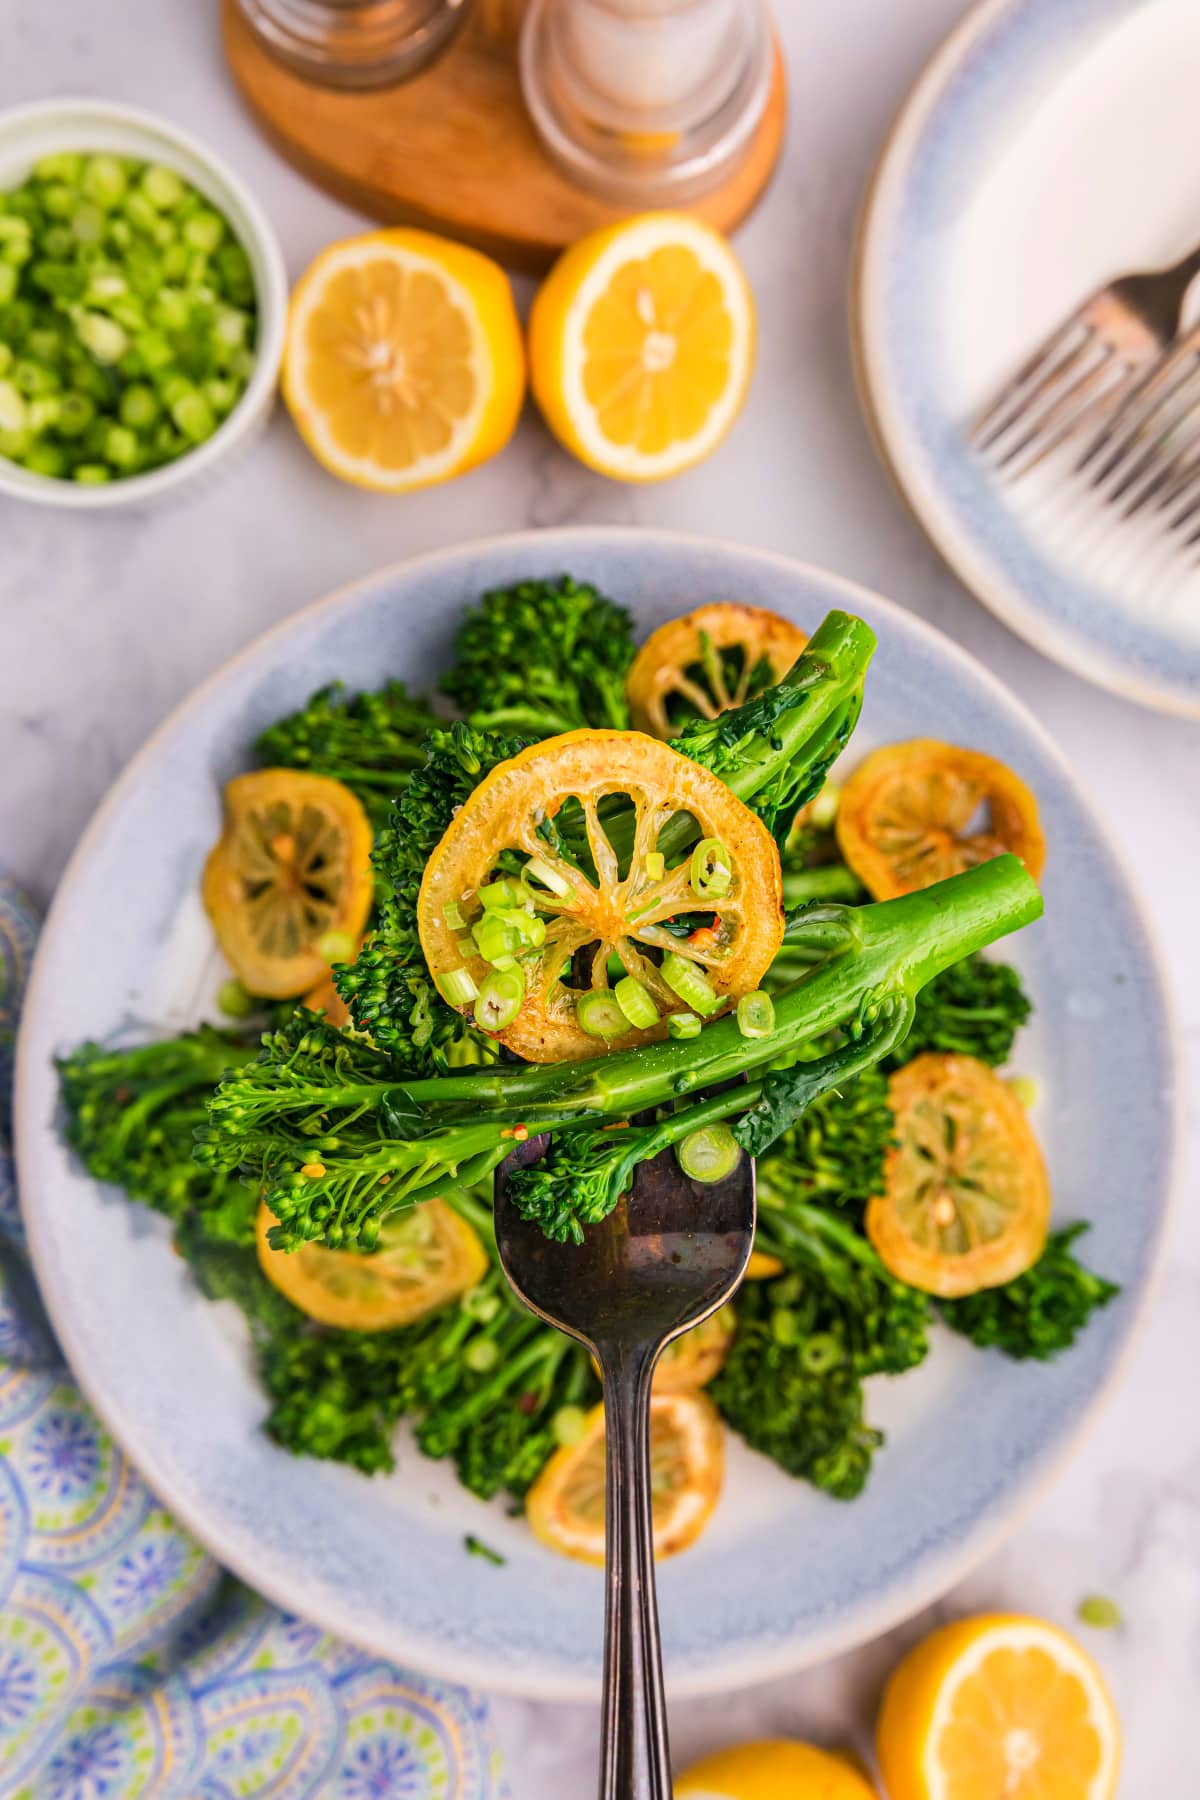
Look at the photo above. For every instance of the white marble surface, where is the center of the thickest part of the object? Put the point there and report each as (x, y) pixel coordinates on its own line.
(108, 622)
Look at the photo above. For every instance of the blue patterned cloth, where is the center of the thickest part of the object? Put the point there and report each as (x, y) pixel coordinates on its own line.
(131, 1666)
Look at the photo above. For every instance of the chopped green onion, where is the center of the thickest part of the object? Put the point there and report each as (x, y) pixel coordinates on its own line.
(103, 338)
(711, 870)
(709, 1154)
(656, 865)
(234, 1001)
(336, 947)
(453, 916)
(756, 1014)
(92, 474)
(457, 987)
(1100, 1612)
(162, 187)
(13, 411)
(482, 1356)
(633, 998)
(685, 979)
(500, 894)
(104, 181)
(478, 1304)
(785, 1326)
(466, 946)
(496, 937)
(1024, 1089)
(549, 878)
(683, 1025)
(821, 1353)
(568, 1425)
(600, 1015)
(500, 999)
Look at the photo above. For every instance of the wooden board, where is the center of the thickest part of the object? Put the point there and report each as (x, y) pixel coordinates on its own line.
(453, 149)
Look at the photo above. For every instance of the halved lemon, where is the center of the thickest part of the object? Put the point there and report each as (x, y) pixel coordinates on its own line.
(599, 899)
(404, 363)
(425, 1258)
(966, 1200)
(776, 1770)
(998, 1705)
(711, 659)
(565, 1505)
(289, 877)
(641, 346)
(916, 812)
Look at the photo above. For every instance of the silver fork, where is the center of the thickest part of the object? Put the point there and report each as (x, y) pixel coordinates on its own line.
(1086, 369)
(1145, 458)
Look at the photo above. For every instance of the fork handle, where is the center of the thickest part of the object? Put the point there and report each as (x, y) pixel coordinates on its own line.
(635, 1759)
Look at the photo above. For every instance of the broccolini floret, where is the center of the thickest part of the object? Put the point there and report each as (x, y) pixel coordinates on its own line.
(370, 741)
(542, 657)
(1039, 1314)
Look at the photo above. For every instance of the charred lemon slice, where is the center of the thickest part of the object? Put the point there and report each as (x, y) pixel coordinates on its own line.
(916, 812)
(288, 883)
(565, 1505)
(557, 895)
(966, 1201)
(425, 1258)
(709, 660)
(690, 1362)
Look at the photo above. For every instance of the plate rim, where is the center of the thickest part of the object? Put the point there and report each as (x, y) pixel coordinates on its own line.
(866, 1620)
(893, 443)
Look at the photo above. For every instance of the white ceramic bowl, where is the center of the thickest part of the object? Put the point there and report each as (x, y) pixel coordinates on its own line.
(30, 132)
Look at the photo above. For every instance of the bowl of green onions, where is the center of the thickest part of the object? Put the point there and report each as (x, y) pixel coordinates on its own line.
(143, 299)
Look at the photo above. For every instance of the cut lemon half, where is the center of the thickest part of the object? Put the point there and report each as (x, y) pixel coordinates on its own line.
(966, 1200)
(593, 898)
(641, 345)
(714, 658)
(776, 1770)
(916, 812)
(425, 1258)
(404, 363)
(996, 1706)
(289, 877)
(565, 1505)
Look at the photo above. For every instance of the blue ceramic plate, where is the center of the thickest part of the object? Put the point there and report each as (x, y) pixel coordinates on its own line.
(783, 1576)
(1048, 148)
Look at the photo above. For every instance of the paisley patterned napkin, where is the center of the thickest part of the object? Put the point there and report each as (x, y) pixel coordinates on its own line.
(131, 1666)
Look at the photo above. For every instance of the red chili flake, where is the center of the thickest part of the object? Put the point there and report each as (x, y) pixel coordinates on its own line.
(506, 1131)
(528, 1403)
(521, 1132)
(703, 938)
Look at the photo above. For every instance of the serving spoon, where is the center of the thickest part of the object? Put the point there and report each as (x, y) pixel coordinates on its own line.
(669, 1256)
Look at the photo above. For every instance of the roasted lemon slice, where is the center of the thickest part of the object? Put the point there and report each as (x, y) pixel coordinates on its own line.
(916, 812)
(641, 345)
(404, 363)
(288, 883)
(690, 1362)
(586, 899)
(425, 1257)
(998, 1706)
(714, 658)
(565, 1505)
(966, 1201)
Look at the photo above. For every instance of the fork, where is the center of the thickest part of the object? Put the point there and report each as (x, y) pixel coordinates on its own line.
(1086, 369)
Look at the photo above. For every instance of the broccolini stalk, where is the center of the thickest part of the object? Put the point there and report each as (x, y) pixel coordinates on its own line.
(338, 1136)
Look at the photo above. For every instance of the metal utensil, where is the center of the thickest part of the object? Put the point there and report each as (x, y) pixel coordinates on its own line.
(1085, 369)
(671, 1254)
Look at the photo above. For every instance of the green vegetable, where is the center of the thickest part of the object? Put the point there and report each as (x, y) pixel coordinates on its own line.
(756, 1014)
(385, 1137)
(834, 1153)
(683, 1025)
(693, 987)
(542, 657)
(1042, 1312)
(499, 999)
(476, 1547)
(119, 288)
(636, 1002)
(975, 1008)
(709, 1154)
(600, 1014)
(1098, 1611)
(371, 741)
(711, 870)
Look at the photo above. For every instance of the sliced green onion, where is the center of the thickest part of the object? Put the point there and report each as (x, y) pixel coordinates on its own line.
(335, 947)
(477, 1303)
(13, 411)
(234, 1001)
(162, 187)
(785, 1326)
(821, 1353)
(494, 937)
(1098, 1611)
(712, 869)
(453, 916)
(104, 338)
(457, 987)
(466, 946)
(684, 978)
(633, 998)
(568, 1425)
(756, 1014)
(482, 1356)
(1024, 1089)
(709, 1154)
(599, 1014)
(104, 181)
(498, 894)
(787, 1290)
(656, 865)
(683, 1025)
(549, 878)
(500, 999)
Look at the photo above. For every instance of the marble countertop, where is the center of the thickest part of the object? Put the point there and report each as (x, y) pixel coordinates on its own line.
(109, 621)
